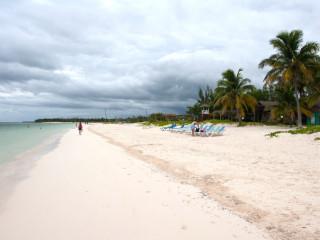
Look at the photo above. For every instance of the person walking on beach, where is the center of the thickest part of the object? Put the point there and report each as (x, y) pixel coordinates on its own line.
(80, 128)
(193, 127)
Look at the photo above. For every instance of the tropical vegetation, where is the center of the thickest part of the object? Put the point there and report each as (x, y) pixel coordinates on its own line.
(294, 64)
(232, 91)
(306, 130)
(293, 83)
(285, 105)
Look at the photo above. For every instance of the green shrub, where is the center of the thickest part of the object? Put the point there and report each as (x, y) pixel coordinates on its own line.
(306, 130)
(275, 134)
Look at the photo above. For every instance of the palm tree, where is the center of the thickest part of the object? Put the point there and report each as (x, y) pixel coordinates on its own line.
(204, 97)
(232, 91)
(286, 105)
(292, 64)
(314, 90)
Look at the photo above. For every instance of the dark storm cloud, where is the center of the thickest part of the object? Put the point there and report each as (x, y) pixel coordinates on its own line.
(10, 73)
(77, 58)
(30, 56)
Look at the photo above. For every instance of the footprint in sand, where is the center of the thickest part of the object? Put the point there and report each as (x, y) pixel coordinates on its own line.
(183, 227)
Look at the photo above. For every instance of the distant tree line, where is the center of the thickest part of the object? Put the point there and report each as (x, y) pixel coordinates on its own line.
(95, 120)
(70, 120)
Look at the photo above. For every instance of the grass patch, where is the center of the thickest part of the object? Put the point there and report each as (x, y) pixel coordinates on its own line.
(216, 121)
(275, 134)
(243, 124)
(165, 123)
(306, 130)
(317, 138)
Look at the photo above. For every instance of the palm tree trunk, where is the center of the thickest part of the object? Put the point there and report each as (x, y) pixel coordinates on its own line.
(239, 116)
(298, 103)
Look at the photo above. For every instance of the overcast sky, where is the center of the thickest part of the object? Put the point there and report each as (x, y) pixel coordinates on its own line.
(75, 58)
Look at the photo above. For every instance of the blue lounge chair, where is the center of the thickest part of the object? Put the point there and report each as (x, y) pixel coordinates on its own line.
(201, 130)
(190, 131)
(213, 130)
(220, 131)
(166, 128)
(210, 131)
(176, 128)
(205, 131)
(182, 130)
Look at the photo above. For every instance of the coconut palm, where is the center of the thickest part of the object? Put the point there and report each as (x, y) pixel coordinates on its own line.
(314, 90)
(285, 105)
(232, 91)
(292, 64)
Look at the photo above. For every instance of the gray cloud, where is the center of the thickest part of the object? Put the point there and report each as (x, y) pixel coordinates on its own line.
(76, 58)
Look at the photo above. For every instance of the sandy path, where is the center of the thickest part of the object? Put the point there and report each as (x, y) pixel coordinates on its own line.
(87, 188)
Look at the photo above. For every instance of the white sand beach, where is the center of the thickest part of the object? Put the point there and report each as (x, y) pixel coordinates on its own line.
(89, 188)
(126, 182)
(271, 182)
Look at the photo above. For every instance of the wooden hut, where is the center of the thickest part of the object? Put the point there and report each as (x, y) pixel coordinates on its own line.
(261, 115)
(315, 119)
(205, 111)
(170, 116)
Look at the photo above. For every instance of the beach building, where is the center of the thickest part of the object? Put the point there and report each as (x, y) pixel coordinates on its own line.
(170, 116)
(315, 119)
(261, 114)
(205, 112)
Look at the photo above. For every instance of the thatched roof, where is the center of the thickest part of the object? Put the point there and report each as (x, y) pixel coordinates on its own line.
(205, 105)
(169, 114)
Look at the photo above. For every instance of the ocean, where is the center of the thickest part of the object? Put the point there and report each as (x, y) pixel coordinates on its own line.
(18, 138)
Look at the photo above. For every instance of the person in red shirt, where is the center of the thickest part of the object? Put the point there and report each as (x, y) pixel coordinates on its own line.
(80, 128)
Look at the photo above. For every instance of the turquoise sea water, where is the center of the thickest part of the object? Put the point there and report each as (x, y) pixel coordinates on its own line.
(18, 138)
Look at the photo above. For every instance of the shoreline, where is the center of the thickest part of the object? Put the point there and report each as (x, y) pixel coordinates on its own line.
(16, 169)
(97, 190)
(19, 139)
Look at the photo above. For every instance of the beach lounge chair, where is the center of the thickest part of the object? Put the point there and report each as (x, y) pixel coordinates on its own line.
(189, 131)
(169, 128)
(212, 131)
(165, 128)
(202, 130)
(176, 128)
(184, 129)
(205, 131)
(220, 131)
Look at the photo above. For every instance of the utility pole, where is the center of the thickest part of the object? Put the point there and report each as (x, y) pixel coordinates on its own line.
(105, 113)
